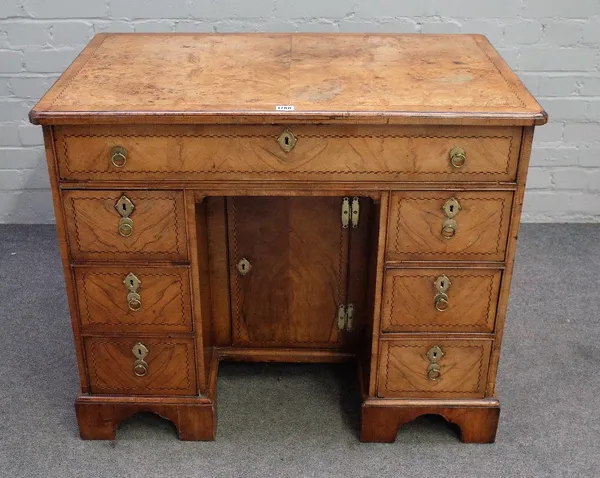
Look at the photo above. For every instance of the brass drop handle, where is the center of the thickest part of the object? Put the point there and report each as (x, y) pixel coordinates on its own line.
(449, 228)
(125, 227)
(140, 367)
(132, 285)
(441, 300)
(434, 372)
(458, 157)
(134, 301)
(450, 208)
(434, 355)
(125, 207)
(118, 156)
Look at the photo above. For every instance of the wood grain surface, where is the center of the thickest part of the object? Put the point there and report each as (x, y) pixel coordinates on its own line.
(299, 256)
(409, 306)
(416, 220)
(377, 153)
(158, 225)
(403, 368)
(170, 366)
(165, 299)
(198, 77)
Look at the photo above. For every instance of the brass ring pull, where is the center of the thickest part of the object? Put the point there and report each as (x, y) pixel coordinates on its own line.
(135, 304)
(441, 302)
(140, 368)
(449, 229)
(458, 157)
(125, 227)
(118, 156)
(434, 372)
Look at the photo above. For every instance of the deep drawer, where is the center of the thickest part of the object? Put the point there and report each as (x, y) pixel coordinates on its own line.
(155, 230)
(414, 369)
(168, 367)
(134, 299)
(349, 153)
(440, 300)
(420, 229)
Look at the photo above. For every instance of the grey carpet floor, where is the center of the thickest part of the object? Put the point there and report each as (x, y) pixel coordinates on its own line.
(302, 420)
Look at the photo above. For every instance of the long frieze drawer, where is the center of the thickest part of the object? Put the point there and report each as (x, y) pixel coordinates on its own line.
(440, 300)
(386, 153)
(432, 368)
(134, 299)
(147, 225)
(440, 225)
(141, 366)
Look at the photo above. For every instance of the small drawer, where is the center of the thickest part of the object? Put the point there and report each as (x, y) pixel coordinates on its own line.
(134, 299)
(439, 225)
(308, 152)
(115, 225)
(141, 365)
(440, 300)
(432, 368)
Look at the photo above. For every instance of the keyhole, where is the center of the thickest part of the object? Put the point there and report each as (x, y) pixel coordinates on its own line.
(243, 267)
(139, 351)
(287, 140)
(434, 354)
(131, 282)
(451, 208)
(442, 284)
(124, 207)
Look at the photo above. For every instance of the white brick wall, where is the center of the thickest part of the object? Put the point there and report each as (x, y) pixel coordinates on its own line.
(553, 45)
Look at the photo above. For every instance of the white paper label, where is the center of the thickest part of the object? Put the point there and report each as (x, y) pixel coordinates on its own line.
(284, 108)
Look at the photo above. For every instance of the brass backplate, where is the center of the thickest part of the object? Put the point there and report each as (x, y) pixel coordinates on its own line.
(243, 266)
(140, 351)
(442, 283)
(451, 208)
(287, 140)
(435, 353)
(132, 283)
(345, 212)
(124, 206)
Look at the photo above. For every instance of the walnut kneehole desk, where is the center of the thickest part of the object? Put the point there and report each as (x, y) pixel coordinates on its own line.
(293, 198)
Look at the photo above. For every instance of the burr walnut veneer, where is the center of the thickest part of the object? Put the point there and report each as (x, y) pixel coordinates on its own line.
(296, 198)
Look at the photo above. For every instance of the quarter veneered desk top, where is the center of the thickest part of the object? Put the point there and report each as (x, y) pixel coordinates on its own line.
(192, 78)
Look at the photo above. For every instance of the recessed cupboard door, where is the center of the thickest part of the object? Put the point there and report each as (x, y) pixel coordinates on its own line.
(289, 271)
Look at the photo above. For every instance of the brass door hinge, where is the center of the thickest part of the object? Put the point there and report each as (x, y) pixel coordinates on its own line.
(345, 317)
(350, 212)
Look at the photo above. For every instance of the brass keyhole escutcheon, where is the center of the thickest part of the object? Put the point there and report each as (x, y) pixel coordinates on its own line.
(132, 285)
(244, 266)
(125, 207)
(434, 355)
(118, 156)
(287, 140)
(140, 367)
(451, 208)
(441, 285)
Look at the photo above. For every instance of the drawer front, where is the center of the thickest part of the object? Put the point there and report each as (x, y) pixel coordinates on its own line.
(350, 153)
(157, 225)
(407, 368)
(168, 367)
(134, 299)
(419, 229)
(440, 300)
